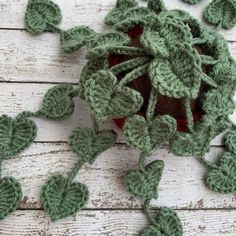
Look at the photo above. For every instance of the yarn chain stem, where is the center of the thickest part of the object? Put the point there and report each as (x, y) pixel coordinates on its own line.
(95, 125)
(151, 104)
(54, 28)
(142, 161)
(74, 171)
(134, 74)
(149, 214)
(189, 115)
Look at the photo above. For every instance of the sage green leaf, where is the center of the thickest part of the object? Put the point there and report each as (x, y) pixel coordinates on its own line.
(221, 13)
(144, 184)
(179, 75)
(100, 45)
(88, 145)
(161, 33)
(156, 5)
(75, 38)
(192, 1)
(10, 196)
(40, 14)
(177, 14)
(168, 224)
(114, 16)
(223, 178)
(230, 141)
(148, 136)
(196, 143)
(109, 100)
(88, 70)
(61, 198)
(15, 135)
(219, 102)
(57, 103)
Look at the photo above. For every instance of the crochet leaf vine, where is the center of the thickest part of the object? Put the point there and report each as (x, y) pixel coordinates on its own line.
(187, 80)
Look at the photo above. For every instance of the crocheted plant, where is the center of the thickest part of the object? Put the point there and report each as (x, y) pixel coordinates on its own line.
(162, 77)
(221, 13)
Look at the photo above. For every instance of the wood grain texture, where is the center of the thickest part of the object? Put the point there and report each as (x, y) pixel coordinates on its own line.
(115, 223)
(17, 97)
(182, 184)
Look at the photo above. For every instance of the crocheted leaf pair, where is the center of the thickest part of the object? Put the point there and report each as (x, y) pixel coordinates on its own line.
(167, 222)
(221, 13)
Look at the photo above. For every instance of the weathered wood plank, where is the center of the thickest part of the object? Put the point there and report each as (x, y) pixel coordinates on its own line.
(27, 58)
(181, 186)
(89, 13)
(115, 223)
(17, 97)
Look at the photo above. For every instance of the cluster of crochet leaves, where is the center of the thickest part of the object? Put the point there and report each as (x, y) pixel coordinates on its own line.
(170, 51)
(221, 13)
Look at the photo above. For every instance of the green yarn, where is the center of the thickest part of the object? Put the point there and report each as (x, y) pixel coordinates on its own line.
(61, 198)
(143, 184)
(230, 141)
(88, 145)
(10, 196)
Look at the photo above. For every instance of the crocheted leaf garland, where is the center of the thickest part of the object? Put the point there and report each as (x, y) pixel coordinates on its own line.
(221, 13)
(15, 135)
(10, 196)
(88, 145)
(144, 183)
(148, 136)
(61, 198)
(166, 223)
(40, 14)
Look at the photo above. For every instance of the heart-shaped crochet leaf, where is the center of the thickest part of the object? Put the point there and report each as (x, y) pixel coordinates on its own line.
(88, 145)
(107, 99)
(15, 135)
(144, 184)
(230, 141)
(40, 14)
(221, 13)
(148, 136)
(61, 198)
(192, 1)
(57, 103)
(156, 5)
(223, 178)
(75, 38)
(159, 35)
(167, 224)
(10, 196)
(179, 75)
(100, 45)
(114, 16)
(192, 144)
(219, 102)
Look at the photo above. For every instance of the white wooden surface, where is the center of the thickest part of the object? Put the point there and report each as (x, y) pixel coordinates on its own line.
(29, 66)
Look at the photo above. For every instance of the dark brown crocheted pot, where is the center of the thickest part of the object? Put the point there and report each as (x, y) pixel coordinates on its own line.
(165, 105)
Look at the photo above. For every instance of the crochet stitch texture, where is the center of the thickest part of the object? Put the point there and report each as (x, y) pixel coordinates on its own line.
(177, 58)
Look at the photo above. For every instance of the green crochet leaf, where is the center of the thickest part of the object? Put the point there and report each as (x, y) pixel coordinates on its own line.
(223, 178)
(15, 135)
(40, 14)
(219, 102)
(61, 198)
(75, 38)
(177, 14)
(144, 184)
(147, 137)
(192, 144)
(168, 224)
(230, 141)
(114, 16)
(89, 69)
(160, 34)
(10, 196)
(156, 5)
(192, 1)
(109, 100)
(221, 13)
(179, 75)
(88, 145)
(100, 45)
(57, 103)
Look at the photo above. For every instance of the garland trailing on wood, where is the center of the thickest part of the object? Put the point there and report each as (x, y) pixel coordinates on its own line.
(176, 58)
